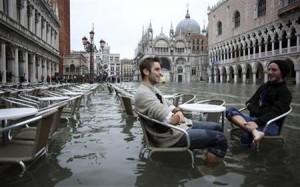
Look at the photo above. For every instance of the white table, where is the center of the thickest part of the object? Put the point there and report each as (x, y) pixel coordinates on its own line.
(207, 108)
(16, 113)
(168, 96)
(72, 93)
(53, 98)
(13, 114)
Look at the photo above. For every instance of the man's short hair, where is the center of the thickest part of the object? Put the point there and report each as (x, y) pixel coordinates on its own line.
(147, 63)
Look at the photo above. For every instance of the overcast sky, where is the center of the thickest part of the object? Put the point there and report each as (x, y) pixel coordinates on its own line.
(120, 22)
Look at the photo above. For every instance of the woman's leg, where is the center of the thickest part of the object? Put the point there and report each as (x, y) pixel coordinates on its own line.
(249, 135)
(236, 117)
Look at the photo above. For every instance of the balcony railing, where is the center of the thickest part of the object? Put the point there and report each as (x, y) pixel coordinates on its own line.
(285, 7)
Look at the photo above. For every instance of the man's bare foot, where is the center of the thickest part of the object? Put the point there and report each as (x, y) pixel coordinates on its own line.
(258, 135)
(212, 159)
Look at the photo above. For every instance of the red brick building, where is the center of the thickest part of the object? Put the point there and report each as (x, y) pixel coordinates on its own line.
(63, 10)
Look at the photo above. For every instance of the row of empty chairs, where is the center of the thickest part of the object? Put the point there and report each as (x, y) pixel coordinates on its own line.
(21, 151)
(124, 95)
(28, 137)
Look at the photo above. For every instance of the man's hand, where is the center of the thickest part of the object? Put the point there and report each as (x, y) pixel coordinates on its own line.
(174, 120)
(177, 118)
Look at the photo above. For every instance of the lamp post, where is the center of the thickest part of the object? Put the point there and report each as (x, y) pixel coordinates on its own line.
(102, 44)
(90, 48)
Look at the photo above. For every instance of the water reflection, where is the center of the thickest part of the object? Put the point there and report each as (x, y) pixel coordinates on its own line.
(170, 174)
(46, 171)
(127, 123)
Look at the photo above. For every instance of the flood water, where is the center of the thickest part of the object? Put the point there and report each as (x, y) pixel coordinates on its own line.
(102, 147)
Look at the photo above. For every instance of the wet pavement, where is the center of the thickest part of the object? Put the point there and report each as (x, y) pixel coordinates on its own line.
(102, 147)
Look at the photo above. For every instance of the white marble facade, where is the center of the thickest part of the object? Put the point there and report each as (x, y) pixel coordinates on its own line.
(244, 36)
(183, 52)
(29, 41)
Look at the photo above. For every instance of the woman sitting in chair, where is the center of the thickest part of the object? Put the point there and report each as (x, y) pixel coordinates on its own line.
(270, 100)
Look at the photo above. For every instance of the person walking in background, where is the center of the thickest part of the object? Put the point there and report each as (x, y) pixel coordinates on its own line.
(149, 101)
(270, 100)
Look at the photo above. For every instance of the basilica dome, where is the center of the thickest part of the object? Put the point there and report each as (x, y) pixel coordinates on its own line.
(187, 25)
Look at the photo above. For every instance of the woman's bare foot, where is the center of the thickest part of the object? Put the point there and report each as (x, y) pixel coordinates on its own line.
(258, 135)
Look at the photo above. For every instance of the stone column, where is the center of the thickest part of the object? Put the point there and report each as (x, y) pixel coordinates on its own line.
(289, 44)
(16, 66)
(40, 70)
(254, 46)
(10, 9)
(235, 78)
(248, 47)
(23, 13)
(44, 74)
(254, 78)
(221, 78)
(48, 67)
(26, 66)
(265, 76)
(298, 43)
(297, 77)
(266, 48)
(259, 50)
(33, 69)
(280, 45)
(244, 78)
(3, 63)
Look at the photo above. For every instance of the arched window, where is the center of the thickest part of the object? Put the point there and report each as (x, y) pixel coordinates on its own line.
(219, 28)
(291, 1)
(194, 71)
(261, 8)
(180, 69)
(237, 19)
(72, 68)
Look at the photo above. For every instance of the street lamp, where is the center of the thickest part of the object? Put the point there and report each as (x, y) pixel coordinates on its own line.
(102, 44)
(90, 48)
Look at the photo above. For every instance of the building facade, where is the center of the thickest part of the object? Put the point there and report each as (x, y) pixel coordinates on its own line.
(29, 39)
(184, 52)
(107, 66)
(62, 9)
(126, 70)
(244, 36)
(76, 67)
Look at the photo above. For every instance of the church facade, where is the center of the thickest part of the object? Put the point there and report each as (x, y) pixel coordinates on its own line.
(184, 52)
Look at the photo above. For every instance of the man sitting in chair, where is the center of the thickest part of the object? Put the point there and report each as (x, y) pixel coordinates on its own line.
(149, 101)
(270, 100)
